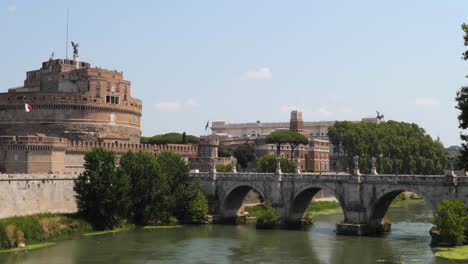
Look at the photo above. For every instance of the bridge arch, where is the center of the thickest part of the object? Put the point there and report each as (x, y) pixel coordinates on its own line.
(380, 205)
(233, 199)
(303, 197)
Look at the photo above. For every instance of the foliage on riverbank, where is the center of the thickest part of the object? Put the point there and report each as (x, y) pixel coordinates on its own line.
(144, 190)
(113, 231)
(323, 208)
(314, 209)
(449, 219)
(264, 213)
(28, 247)
(454, 253)
(268, 217)
(38, 228)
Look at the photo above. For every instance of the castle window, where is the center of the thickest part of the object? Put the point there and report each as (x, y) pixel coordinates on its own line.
(110, 99)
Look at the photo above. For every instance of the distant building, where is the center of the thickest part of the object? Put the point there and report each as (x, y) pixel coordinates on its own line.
(319, 155)
(313, 157)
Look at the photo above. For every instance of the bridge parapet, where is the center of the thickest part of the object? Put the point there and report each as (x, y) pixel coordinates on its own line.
(406, 179)
(317, 177)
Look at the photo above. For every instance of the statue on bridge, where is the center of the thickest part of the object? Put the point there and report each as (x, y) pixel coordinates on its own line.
(356, 165)
(374, 166)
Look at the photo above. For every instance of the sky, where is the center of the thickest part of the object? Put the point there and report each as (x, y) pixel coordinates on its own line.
(247, 60)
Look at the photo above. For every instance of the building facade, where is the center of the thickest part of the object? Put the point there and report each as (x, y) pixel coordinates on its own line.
(313, 157)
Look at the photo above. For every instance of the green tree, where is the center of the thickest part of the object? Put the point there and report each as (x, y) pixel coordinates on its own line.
(398, 146)
(151, 196)
(193, 206)
(279, 138)
(267, 164)
(450, 219)
(267, 217)
(170, 138)
(245, 155)
(224, 167)
(224, 151)
(102, 193)
(462, 105)
(297, 139)
(174, 169)
(184, 138)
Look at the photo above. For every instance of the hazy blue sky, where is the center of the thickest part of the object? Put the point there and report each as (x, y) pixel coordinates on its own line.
(248, 60)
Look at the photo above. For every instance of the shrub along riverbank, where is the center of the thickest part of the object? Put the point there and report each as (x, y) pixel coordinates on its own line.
(26, 230)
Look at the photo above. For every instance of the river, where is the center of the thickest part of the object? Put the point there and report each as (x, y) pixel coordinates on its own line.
(408, 242)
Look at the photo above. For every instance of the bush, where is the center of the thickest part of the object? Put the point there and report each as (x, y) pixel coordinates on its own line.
(450, 219)
(267, 218)
(224, 167)
(170, 138)
(197, 205)
(102, 194)
(38, 228)
(267, 163)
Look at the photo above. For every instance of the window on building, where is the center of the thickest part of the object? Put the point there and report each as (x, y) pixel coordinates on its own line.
(111, 99)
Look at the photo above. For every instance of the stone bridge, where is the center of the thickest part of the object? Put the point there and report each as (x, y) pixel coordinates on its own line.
(364, 199)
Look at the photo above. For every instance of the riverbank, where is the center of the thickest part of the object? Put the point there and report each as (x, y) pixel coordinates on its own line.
(324, 208)
(21, 232)
(44, 230)
(452, 253)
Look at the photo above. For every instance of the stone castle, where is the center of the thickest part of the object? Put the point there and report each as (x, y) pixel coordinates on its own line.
(76, 107)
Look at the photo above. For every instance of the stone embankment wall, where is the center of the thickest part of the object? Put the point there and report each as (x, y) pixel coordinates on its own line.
(26, 194)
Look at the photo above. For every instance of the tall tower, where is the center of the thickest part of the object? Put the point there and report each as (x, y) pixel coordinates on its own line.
(296, 123)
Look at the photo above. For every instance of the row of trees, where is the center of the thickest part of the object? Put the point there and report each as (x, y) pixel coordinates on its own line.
(400, 147)
(144, 189)
(281, 138)
(170, 138)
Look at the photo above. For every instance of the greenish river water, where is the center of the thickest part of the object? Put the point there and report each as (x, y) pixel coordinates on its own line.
(408, 242)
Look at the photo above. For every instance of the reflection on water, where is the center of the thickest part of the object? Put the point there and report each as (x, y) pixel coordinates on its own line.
(408, 242)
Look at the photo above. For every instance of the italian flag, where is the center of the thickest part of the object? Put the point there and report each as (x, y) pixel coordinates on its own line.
(27, 108)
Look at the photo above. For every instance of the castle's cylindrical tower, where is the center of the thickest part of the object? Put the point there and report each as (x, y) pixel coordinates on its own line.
(72, 100)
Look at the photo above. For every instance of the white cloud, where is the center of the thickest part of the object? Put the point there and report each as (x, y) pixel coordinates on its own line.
(323, 112)
(427, 102)
(263, 73)
(344, 110)
(169, 106)
(191, 103)
(177, 106)
(289, 108)
(11, 8)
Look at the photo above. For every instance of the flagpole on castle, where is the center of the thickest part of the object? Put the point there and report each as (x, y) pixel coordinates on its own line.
(66, 42)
